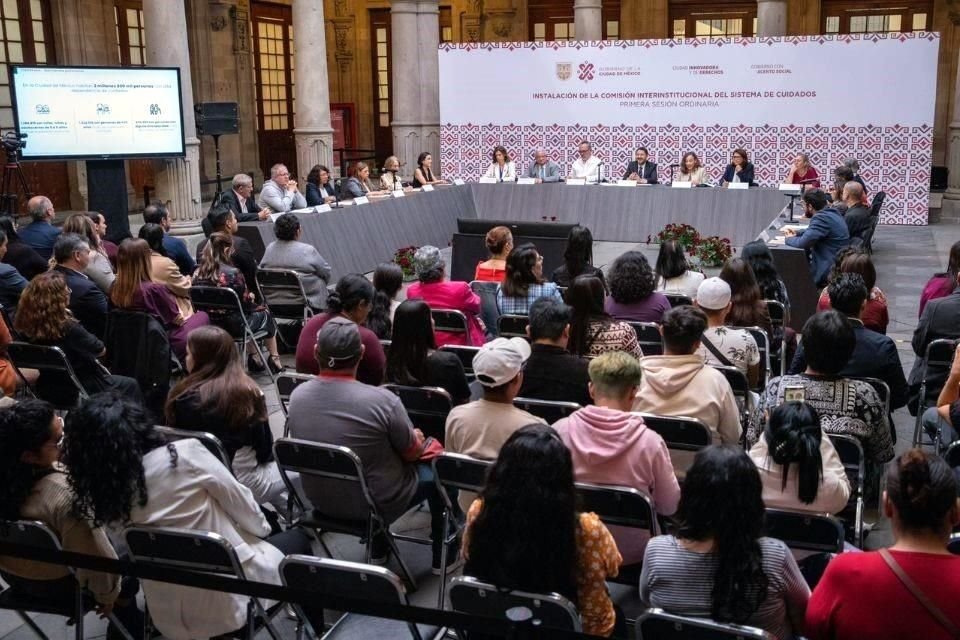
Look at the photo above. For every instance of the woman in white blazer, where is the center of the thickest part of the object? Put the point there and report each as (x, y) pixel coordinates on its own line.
(691, 170)
(502, 169)
(125, 473)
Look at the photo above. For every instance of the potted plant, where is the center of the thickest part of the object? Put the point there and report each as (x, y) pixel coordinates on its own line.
(686, 235)
(404, 258)
(714, 251)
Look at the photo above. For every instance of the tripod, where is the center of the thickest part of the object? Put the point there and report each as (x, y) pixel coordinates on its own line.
(219, 193)
(11, 172)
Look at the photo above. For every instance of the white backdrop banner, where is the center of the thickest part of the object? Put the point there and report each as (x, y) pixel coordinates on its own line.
(767, 95)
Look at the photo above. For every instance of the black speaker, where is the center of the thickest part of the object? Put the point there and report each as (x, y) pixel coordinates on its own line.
(938, 178)
(217, 118)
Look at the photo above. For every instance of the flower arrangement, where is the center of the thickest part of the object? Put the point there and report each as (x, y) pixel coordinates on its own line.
(714, 251)
(686, 235)
(404, 258)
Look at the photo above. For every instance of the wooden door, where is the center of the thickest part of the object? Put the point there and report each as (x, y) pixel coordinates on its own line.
(274, 80)
(382, 83)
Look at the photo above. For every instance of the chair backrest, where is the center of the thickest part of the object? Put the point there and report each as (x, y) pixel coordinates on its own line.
(882, 389)
(342, 578)
(677, 299)
(940, 353)
(877, 202)
(451, 321)
(954, 545)
(850, 452)
(465, 354)
(512, 326)
(469, 595)
(679, 432)
(183, 549)
(24, 355)
(762, 338)
(138, 347)
(215, 299)
(208, 440)
(738, 381)
(8, 320)
(806, 531)
(31, 533)
(952, 455)
(648, 335)
(338, 465)
(549, 410)
(284, 294)
(657, 624)
(385, 345)
(778, 312)
(621, 506)
(427, 407)
(286, 383)
(457, 471)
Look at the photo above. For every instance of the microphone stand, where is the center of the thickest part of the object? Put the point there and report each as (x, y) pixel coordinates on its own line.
(599, 170)
(672, 167)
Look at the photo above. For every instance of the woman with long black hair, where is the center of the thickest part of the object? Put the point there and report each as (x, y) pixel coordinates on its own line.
(523, 282)
(525, 532)
(387, 282)
(673, 272)
(577, 258)
(592, 330)
(717, 565)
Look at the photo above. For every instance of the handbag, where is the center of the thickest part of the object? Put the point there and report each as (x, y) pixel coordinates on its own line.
(921, 597)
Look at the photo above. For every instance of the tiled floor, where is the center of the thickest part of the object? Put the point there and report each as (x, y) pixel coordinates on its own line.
(905, 257)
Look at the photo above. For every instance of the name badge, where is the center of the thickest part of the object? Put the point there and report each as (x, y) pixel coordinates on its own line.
(486, 180)
(361, 200)
(738, 185)
(324, 208)
(790, 188)
(458, 181)
(676, 184)
(576, 182)
(526, 181)
(397, 193)
(427, 187)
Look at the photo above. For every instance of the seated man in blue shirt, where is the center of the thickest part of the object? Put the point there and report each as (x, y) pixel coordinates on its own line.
(40, 233)
(157, 213)
(826, 235)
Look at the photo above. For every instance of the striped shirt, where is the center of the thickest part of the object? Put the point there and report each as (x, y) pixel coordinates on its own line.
(680, 581)
(520, 305)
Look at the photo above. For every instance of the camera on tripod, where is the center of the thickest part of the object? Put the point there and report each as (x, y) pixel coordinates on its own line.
(13, 142)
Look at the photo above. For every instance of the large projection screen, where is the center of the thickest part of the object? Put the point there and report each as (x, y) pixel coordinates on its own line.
(74, 113)
(866, 96)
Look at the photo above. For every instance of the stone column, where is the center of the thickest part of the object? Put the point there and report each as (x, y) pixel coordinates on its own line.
(588, 19)
(311, 125)
(951, 197)
(178, 179)
(428, 37)
(771, 18)
(405, 60)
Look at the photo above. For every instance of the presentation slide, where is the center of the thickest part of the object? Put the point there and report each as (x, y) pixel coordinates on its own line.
(97, 112)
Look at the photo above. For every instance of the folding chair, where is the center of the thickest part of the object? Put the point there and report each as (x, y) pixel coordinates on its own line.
(939, 353)
(954, 545)
(952, 454)
(648, 335)
(427, 407)
(657, 624)
(37, 534)
(489, 311)
(512, 326)
(465, 354)
(8, 320)
(851, 456)
(463, 473)
(762, 339)
(342, 473)
(285, 297)
(549, 410)
(138, 347)
(211, 442)
(677, 299)
(779, 317)
(200, 551)
(220, 300)
(679, 432)
(50, 360)
(327, 576)
(553, 611)
(741, 391)
(286, 383)
(385, 345)
(819, 532)
(452, 321)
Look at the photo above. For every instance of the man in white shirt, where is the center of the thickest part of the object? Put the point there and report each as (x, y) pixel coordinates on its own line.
(280, 193)
(587, 165)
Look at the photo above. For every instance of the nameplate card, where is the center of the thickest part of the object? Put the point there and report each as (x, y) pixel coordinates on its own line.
(485, 180)
(790, 188)
(324, 208)
(676, 184)
(576, 182)
(274, 216)
(361, 200)
(626, 183)
(738, 185)
(526, 181)
(397, 193)
(427, 187)
(458, 182)
(301, 211)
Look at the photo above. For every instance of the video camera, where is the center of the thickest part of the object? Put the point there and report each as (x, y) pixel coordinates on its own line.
(13, 141)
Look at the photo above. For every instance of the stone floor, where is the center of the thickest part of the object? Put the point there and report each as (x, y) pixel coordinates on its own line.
(905, 257)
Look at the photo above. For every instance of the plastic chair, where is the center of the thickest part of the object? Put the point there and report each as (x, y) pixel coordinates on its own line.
(427, 407)
(45, 359)
(512, 326)
(469, 595)
(648, 335)
(851, 456)
(799, 530)
(452, 321)
(939, 353)
(549, 410)
(657, 624)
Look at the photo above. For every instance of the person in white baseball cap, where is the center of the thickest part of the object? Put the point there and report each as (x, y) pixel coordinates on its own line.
(722, 345)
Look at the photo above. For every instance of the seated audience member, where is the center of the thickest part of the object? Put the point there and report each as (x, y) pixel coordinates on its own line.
(632, 290)
(19, 254)
(577, 258)
(387, 282)
(240, 200)
(100, 226)
(124, 473)
(717, 565)
(740, 169)
(176, 248)
(423, 174)
(841, 176)
(223, 220)
(12, 283)
(358, 184)
(219, 397)
(499, 243)
(875, 355)
(673, 273)
(720, 344)
(552, 372)
(772, 287)
(938, 320)
(319, 188)
(847, 407)
(523, 282)
(543, 170)
(40, 234)
(135, 291)
(691, 170)
(525, 533)
(98, 268)
(874, 315)
(854, 165)
(287, 252)
(802, 172)
(501, 168)
(592, 330)
(679, 383)
(351, 300)
(164, 271)
(9, 380)
(43, 318)
(895, 592)
(823, 239)
(35, 487)
(88, 302)
(336, 408)
(414, 360)
(612, 446)
(940, 285)
(799, 467)
(217, 270)
(389, 178)
(280, 193)
(639, 169)
(747, 307)
(857, 216)
(445, 294)
(943, 420)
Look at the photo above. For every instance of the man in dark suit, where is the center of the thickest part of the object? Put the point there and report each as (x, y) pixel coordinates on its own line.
(938, 320)
(857, 215)
(641, 169)
(823, 239)
(176, 248)
(875, 355)
(223, 219)
(240, 200)
(87, 302)
(40, 234)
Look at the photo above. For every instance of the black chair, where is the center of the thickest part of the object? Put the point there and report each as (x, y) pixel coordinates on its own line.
(343, 472)
(138, 347)
(549, 410)
(851, 455)
(7, 316)
(327, 576)
(677, 299)
(741, 391)
(657, 624)
(427, 407)
(512, 326)
(876, 203)
(463, 473)
(939, 353)
(385, 345)
(465, 354)
(37, 534)
(779, 317)
(805, 531)
(679, 432)
(952, 454)
(211, 442)
(762, 338)
(489, 311)
(954, 545)
(452, 321)
(286, 383)
(648, 335)
(51, 360)
(552, 611)
(285, 297)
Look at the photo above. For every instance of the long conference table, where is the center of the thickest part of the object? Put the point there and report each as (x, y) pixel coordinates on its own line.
(355, 238)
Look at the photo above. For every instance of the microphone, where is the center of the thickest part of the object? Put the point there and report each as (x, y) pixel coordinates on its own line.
(599, 170)
(675, 166)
